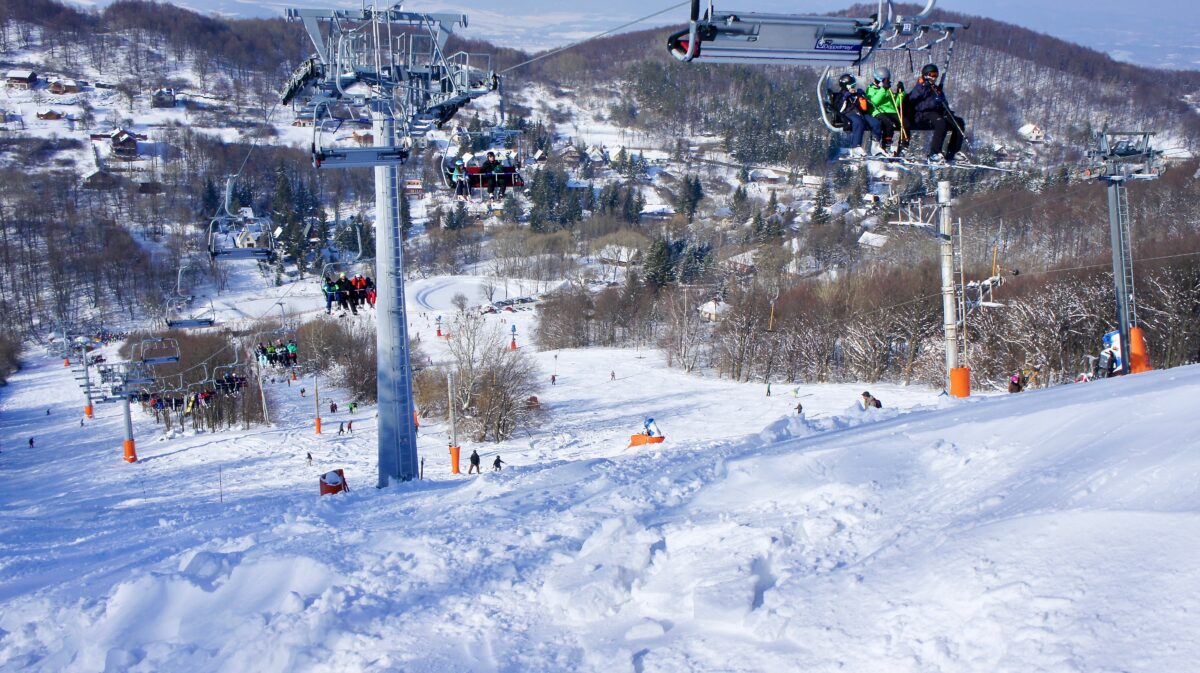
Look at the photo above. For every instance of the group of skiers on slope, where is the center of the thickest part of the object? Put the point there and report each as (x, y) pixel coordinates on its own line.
(888, 109)
(492, 177)
(277, 354)
(350, 294)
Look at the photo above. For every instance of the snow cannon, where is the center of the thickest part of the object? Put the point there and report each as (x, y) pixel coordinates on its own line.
(643, 439)
(334, 482)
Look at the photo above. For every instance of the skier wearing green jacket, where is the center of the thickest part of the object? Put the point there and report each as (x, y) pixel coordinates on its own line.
(887, 105)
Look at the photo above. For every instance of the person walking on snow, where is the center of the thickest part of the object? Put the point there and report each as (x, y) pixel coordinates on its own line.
(474, 469)
(341, 428)
(350, 427)
(496, 464)
(799, 408)
(31, 442)
(768, 388)
(869, 401)
(612, 376)
(308, 454)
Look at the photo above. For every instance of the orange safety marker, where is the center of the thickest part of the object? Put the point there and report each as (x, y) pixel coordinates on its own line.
(1139, 356)
(66, 362)
(455, 453)
(130, 452)
(960, 382)
(318, 425)
(333, 482)
(639, 440)
(87, 411)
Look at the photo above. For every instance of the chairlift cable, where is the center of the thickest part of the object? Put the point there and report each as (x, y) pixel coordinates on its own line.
(594, 37)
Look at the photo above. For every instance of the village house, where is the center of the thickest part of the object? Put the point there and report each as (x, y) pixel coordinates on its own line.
(713, 310)
(1032, 133)
(21, 79)
(619, 255)
(63, 86)
(163, 98)
(50, 115)
(123, 144)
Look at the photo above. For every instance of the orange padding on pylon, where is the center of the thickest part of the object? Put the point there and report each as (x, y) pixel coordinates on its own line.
(455, 453)
(130, 453)
(1139, 355)
(333, 482)
(960, 382)
(639, 440)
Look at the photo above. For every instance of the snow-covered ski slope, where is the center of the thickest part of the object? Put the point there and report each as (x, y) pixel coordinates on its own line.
(1055, 530)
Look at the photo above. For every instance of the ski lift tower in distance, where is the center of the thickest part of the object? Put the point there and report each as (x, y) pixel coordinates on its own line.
(391, 65)
(1119, 157)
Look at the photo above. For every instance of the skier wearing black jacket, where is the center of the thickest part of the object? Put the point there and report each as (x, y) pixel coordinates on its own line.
(346, 294)
(931, 112)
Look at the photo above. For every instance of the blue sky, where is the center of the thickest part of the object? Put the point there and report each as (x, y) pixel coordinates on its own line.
(1131, 31)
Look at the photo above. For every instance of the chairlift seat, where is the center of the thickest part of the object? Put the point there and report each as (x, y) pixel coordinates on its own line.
(190, 323)
(785, 39)
(360, 157)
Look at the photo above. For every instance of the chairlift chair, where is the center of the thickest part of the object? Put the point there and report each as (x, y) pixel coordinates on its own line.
(158, 351)
(237, 236)
(178, 315)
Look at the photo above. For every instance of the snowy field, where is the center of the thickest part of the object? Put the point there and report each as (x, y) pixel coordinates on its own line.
(1052, 531)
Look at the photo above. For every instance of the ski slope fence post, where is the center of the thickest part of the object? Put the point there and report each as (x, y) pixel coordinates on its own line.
(455, 450)
(317, 399)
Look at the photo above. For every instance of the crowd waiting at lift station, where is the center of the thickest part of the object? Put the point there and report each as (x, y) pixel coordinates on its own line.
(349, 294)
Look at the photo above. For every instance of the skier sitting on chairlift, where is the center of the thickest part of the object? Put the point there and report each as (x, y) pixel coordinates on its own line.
(931, 112)
(487, 174)
(462, 188)
(850, 105)
(887, 103)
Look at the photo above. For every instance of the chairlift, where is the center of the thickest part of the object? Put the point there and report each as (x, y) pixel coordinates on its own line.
(178, 314)
(510, 159)
(231, 378)
(241, 236)
(782, 39)
(158, 351)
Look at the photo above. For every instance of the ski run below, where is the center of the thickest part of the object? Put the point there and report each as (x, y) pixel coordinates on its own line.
(1051, 531)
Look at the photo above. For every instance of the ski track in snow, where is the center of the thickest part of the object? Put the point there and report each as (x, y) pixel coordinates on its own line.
(1024, 533)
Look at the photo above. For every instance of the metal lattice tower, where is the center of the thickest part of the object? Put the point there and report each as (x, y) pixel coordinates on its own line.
(391, 66)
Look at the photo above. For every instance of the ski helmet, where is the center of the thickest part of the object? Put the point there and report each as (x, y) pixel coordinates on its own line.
(846, 81)
(930, 70)
(882, 74)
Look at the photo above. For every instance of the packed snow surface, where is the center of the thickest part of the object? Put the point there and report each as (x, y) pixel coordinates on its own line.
(1055, 530)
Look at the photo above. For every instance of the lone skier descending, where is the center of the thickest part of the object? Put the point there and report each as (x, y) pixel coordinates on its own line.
(474, 469)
